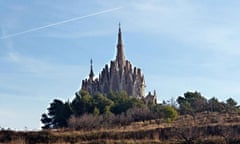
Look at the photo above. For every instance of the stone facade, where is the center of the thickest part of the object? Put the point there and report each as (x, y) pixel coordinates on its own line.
(119, 76)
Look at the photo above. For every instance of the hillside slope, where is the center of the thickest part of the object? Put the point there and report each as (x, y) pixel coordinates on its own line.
(202, 128)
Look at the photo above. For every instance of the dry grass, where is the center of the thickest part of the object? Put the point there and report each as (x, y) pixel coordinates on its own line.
(153, 131)
(18, 141)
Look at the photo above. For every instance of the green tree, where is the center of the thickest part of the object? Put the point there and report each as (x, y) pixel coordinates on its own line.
(184, 106)
(96, 111)
(82, 103)
(46, 121)
(102, 103)
(191, 103)
(58, 114)
(170, 113)
(157, 110)
(215, 106)
(134, 102)
(231, 102)
(107, 110)
(123, 102)
(231, 105)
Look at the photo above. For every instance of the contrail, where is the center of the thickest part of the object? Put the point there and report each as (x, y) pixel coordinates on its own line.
(61, 22)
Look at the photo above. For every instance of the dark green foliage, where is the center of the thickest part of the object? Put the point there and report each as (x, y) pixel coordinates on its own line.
(102, 103)
(46, 121)
(98, 104)
(194, 102)
(191, 103)
(170, 113)
(82, 103)
(58, 114)
(122, 102)
(231, 102)
(215, 106)
(117, 108)
(167, 112)
(231, 105)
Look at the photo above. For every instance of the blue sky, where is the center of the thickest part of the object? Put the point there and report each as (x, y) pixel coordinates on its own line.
(180, 46)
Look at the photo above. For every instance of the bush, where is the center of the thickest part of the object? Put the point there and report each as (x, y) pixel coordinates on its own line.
(170, 113)
(139, 114)
(86, 121)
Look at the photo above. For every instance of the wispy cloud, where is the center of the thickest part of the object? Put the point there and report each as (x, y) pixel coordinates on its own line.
(27, 64)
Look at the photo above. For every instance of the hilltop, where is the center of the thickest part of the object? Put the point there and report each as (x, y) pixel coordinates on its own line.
(193, 119)
(206, 127)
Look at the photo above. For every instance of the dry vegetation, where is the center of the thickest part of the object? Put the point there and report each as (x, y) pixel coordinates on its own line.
(202, 128)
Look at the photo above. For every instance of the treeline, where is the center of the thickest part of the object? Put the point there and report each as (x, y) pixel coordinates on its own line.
(193, 102)
(86, 111)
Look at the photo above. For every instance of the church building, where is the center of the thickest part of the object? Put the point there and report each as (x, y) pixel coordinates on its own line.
(119, 76)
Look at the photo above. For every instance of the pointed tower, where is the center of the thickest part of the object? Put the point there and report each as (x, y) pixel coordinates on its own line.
(91, 74)
(118, 76)
(120, 49)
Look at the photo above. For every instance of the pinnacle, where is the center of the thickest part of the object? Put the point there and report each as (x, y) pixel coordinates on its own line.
(91, 75)
(120, 50)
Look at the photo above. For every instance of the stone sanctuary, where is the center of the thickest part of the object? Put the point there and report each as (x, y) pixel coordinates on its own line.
(119, 76)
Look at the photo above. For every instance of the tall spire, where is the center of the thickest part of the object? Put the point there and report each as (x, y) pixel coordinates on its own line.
(91, 74)
(120, 52)
(119, 35)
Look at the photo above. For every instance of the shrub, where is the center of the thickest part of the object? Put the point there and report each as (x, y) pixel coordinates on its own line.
(170, 113)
